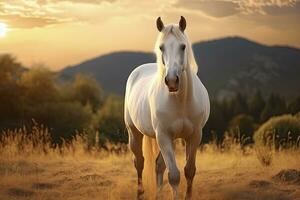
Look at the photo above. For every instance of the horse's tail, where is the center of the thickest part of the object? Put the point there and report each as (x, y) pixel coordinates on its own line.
(150, 152)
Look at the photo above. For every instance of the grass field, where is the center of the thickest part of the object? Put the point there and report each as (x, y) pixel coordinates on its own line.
(33, 171)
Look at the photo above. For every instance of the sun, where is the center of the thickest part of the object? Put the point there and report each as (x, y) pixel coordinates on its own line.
(3, 29)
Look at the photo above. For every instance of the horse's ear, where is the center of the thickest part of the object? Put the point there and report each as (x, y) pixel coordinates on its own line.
(159, 24)
(182, 24)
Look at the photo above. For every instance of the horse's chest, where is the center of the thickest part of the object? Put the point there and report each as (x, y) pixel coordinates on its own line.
(181, 127)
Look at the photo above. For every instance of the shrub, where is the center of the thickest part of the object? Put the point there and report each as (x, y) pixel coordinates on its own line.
(109, 121)
(242, 127)
(64, 119)
(264, 155)
(39, 86)
(279, 132)
(297, 115)
(85, 90)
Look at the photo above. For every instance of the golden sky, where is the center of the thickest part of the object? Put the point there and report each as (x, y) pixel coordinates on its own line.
(59, 33)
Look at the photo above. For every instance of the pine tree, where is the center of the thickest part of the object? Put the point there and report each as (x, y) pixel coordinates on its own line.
(275, 106)
(294, 106)
(239, 105)
(256, 105)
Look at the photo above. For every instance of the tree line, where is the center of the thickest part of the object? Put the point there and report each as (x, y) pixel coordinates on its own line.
(81, 106)
(242, 114)
(67, 108)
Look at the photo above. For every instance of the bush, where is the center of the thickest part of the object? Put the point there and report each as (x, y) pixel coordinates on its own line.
(297, 115)
(39, 85)
(242, 127)
(85, 90)
(64, 119)
(66, 108)
(279, 132)
(109, 121)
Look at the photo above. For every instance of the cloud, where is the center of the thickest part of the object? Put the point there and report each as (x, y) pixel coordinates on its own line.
(19, 21)
(224, 8)
(283, 10)
(213, 8)
(43, 2)
(27, 15)
(40, 13)
(266, 6)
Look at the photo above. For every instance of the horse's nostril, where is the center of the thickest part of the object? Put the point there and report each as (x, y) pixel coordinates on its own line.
(166, 81)
(177, 79)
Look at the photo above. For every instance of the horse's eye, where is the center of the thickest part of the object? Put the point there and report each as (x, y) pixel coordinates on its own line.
(162, 48)
(182, 47)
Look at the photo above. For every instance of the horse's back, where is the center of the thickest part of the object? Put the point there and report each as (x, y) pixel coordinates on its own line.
(137, 108)
(140, 74)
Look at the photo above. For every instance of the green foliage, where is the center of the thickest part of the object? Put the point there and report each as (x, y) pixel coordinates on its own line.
(39, 86)
(294, 106)
(280, 132)
(239, 104)
(10, 69)
(36, 94)
(275, 106)
(86, 90)
(110, 121)
(10, 92)
(242, 127)
(216, 123)
(226, 112)
(222, 112)
(297, 115)
(256, 105)
(80, 105)
(63, 118)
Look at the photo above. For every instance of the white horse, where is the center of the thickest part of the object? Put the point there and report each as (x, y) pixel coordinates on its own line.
(166, 100)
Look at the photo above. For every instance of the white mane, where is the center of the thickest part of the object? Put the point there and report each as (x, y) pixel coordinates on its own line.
(182, 37)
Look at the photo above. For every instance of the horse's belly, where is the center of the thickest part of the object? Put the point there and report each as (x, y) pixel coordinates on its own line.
(142, 122)
(139, 110)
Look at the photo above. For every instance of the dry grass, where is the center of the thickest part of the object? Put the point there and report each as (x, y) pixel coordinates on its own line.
(31, 168)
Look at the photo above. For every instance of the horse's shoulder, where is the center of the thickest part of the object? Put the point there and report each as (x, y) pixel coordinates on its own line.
(141, 73)
(146, 68)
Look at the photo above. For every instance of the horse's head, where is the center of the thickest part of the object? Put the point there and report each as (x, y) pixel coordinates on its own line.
(171, 53)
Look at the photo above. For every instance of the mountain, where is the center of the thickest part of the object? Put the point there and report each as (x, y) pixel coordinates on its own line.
(111, 70)
(226, 66)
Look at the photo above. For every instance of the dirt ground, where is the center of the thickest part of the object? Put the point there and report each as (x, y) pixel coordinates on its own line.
(218, 176)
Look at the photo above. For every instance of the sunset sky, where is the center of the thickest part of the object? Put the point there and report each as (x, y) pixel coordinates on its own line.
(59, 33)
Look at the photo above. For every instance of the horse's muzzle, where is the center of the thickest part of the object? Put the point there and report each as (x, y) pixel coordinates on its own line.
(172, 83)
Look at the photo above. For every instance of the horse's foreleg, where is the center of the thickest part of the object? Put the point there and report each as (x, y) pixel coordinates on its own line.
(192, 144)
(135, 144)
(166, 147)
(159, 169)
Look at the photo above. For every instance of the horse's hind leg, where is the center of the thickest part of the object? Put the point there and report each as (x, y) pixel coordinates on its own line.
(192, 144)
(135, 144)
(159, 169)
